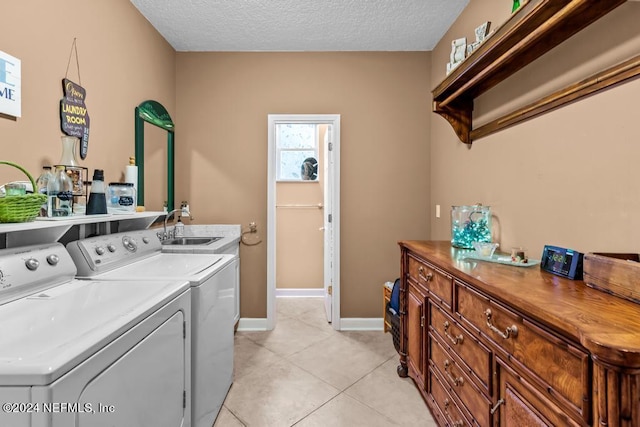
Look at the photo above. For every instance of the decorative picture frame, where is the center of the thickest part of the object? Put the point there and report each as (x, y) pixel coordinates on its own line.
(458, 53)
(482, 32)
(458, 50)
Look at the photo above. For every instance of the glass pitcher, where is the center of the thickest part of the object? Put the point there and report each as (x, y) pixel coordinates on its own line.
(470, 224)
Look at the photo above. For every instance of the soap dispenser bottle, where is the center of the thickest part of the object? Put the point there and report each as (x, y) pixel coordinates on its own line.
(178, 231)
(97, 200)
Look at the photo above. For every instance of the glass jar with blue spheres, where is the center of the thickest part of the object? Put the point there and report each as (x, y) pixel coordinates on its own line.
(470, 224)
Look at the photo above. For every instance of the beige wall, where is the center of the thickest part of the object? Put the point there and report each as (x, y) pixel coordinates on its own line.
(123, 61)
(223, 100)
(567, 178)
(299, 239)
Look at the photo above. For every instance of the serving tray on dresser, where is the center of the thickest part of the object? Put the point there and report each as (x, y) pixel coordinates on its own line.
(493, 345)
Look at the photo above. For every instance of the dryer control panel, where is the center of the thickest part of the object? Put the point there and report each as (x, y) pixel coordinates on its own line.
(30, 269)
(100, 254)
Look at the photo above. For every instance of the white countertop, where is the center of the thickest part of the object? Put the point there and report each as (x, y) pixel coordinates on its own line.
(230, 234)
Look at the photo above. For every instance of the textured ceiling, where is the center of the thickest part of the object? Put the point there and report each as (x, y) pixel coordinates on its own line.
(301, 25)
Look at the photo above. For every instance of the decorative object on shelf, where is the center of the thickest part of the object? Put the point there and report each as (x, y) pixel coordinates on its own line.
(553, 23)
(516, 6)
(41, 186)
(77, 173)
(458, 53)
(131, 173)
(74, 119)
(15, 189)
(68, 157)
(470, 224)
(482, 32)
(121, 198)
(21, 208)
(60, 194)
(97, 204)
(10, 85)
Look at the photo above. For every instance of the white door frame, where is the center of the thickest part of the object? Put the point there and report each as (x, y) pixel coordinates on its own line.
(334, 120)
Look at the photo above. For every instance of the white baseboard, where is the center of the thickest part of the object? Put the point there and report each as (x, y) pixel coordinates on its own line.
(248, 324)
(302, 292)
(361, 324)
(346, 324)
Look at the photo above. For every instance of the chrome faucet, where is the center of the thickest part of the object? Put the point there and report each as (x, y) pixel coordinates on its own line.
(184, 211)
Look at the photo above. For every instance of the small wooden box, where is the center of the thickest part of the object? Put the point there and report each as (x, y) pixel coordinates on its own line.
(616, 274)
(387, 287)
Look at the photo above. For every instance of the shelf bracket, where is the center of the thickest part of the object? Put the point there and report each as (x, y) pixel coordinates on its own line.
(459, 116)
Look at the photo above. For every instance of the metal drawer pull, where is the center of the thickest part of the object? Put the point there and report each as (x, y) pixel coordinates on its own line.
(456, 381)
(455, 340)
(446, 410)
(495, 408)
(421, 275)
(511, 331)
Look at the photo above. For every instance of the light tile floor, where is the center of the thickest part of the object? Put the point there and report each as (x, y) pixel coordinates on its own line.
(305, 374)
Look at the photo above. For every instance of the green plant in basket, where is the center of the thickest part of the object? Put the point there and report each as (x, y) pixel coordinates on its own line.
(21, 208)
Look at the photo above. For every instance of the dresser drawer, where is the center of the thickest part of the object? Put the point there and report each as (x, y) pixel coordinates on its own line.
(459, 383)
(447, 406)
(437, 282)
(475, 355)
(523, 405)
(560, 369)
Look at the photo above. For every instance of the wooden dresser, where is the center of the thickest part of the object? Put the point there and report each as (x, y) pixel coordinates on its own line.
(497, 345)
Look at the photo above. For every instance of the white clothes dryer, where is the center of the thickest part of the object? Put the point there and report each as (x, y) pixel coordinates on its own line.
(227, 241)
(88, 353)
(137, 256)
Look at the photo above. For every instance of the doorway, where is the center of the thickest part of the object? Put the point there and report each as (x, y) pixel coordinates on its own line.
(329, 174)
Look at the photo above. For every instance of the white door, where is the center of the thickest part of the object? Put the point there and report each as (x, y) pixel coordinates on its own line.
(328, 222)
(331, 169)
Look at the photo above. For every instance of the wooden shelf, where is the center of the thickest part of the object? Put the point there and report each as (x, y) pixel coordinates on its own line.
(536, 28)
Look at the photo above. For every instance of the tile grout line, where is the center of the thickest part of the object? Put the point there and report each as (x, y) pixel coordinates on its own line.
(305, 318)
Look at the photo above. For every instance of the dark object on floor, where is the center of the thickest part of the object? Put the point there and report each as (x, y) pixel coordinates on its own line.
(393, 314)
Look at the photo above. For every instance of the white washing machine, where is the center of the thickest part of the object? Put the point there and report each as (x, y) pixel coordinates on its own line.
(88, 353)
(137, 255)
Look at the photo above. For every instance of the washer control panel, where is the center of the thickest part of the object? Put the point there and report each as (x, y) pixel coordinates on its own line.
(96, 255)
(29, 269)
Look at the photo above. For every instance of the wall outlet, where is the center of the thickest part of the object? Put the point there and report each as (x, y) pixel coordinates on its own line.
(437, 211)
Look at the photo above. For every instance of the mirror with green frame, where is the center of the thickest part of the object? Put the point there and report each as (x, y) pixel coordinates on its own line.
(154, 113)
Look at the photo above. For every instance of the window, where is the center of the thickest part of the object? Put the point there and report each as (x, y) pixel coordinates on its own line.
(297, 152)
